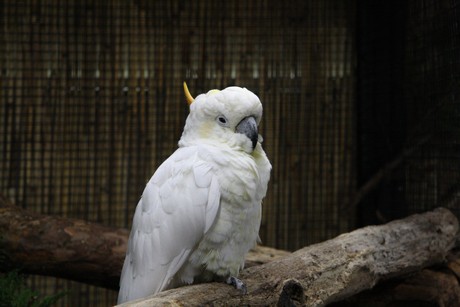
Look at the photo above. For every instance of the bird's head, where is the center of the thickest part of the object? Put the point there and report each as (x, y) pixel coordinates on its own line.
(227, 117)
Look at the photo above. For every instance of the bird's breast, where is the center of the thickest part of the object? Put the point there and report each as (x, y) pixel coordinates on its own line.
(235, 230)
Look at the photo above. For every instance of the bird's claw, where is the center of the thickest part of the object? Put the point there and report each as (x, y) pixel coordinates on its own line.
(238, 284)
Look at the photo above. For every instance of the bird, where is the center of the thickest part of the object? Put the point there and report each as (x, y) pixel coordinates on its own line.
(201, 211)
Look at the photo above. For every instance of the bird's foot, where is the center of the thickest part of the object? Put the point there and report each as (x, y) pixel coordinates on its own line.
(238, 284)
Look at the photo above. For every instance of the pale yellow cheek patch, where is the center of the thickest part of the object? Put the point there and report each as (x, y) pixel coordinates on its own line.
(205, 130)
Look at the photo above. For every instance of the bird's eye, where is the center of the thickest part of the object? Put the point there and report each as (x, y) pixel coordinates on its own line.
(221, 120)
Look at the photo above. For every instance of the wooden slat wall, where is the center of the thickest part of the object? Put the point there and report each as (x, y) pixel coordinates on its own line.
(91, 104)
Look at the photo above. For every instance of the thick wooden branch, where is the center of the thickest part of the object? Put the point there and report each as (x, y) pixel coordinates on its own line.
(313, 276)
(436, 286)
(61, 247)
(72, 248)
(333, 270)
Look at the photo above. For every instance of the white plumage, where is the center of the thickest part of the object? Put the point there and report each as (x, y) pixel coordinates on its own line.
(200, 212)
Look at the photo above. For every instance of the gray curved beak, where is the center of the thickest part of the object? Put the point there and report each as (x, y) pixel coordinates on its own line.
(248, 127)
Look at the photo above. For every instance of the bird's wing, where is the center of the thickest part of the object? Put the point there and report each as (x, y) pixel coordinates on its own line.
(179, 204)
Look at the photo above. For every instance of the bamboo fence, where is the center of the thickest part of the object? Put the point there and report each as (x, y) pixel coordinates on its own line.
(91, 104)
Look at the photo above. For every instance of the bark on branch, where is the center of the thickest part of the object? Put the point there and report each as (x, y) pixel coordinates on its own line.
(316, 275)
(72, 248)
(61, 247)
(332, 270)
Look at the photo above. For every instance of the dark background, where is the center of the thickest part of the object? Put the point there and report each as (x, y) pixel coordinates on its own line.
(361, 107)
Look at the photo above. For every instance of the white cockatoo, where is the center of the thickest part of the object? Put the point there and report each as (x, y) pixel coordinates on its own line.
(200, 212)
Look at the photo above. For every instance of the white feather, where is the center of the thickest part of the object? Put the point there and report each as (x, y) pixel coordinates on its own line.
(173, 214)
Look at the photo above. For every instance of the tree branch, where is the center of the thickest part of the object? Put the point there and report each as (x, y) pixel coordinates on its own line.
(315, 275)
(72, 248)
(61, 247)
(332, 270)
